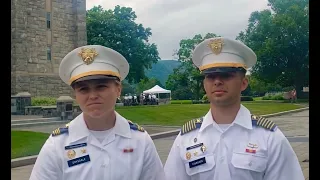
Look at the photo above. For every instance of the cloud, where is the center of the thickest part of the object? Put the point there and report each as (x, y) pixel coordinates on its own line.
(174, 20)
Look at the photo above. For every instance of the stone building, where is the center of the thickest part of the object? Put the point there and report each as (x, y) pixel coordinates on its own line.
(42, 33)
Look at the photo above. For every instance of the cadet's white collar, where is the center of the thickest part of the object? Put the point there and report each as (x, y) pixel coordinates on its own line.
(243, 119)
(122, 127)
(78, 128)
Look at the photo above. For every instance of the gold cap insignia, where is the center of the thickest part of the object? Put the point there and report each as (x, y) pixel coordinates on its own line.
(88, 55)
(71, 154)
(216, 46)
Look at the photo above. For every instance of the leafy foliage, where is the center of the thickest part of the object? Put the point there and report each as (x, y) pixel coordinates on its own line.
(260, 87)
(281, 41)
(127, 88)
(273, 97)
(43, 101)
(146, 84)
(186, 82)
(117, 30)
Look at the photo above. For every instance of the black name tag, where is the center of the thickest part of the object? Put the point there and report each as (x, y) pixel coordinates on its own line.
(79, 160)
(197, 162)
(75, 146)
(194, 146)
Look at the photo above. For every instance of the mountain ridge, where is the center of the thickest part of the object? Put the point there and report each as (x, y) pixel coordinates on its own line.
(162, 69)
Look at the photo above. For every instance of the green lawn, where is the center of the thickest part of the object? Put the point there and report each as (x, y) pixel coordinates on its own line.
(177, 114)
(257, 98)
(26, 143)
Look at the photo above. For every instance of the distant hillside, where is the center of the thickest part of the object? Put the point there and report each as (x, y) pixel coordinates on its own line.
(162, 69)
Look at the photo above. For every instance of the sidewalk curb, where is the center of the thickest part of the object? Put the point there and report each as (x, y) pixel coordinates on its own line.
(286, 112)
(38, 124)
(37, 119)
(24, 161)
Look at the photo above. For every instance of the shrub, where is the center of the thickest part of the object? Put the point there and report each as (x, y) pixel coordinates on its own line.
(43, 101)
(181, 102)
(205, 97)
(246, 98)
(200, 101)
(273, 97)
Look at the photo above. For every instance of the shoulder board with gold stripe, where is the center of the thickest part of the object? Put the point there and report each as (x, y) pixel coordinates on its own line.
(135, 126)
(263, 122)
(61, 130)
(191, 125)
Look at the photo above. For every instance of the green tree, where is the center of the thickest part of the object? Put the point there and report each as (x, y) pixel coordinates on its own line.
(116, 29)
(186, 80)
(260, 87)
(147, 83)
(179, 81)
(280, 38)
(127, 88)
(247, 91)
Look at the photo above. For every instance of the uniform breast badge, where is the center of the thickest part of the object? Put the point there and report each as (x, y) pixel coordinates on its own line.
(73, 150)
(203, 148)
(71, 154)
(194, 146)
(188, 155)
(126, 150)
(195, 153)
(251, 148)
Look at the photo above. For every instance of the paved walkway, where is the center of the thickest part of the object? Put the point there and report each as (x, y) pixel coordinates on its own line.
(22, 117)
(296, 124)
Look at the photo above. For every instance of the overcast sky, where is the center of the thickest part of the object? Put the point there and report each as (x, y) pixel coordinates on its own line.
(173, 20)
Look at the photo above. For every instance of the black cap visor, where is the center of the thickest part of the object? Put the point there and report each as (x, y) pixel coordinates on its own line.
(95, 77)
(223, 70)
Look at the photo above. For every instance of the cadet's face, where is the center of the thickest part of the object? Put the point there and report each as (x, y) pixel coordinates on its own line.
(224, 89)
(97, 97)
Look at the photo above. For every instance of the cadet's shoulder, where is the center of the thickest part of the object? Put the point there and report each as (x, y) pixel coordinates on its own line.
(60, 131)
(191, 125)
(135, 126)
(261, 122)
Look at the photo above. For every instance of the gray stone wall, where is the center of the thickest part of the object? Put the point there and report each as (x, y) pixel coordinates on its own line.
(40, 85)
(31, 71)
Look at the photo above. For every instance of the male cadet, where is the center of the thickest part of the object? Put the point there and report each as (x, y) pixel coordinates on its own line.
(99, 144)
(229, 143)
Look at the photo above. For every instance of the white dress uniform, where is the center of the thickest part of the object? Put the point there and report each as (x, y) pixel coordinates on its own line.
(250, 148)
(74, 152)
(126, 153)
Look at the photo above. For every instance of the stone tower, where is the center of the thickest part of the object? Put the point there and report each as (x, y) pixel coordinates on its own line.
(42, 33)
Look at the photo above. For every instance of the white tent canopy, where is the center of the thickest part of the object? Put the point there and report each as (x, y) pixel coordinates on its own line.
(157, 89)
